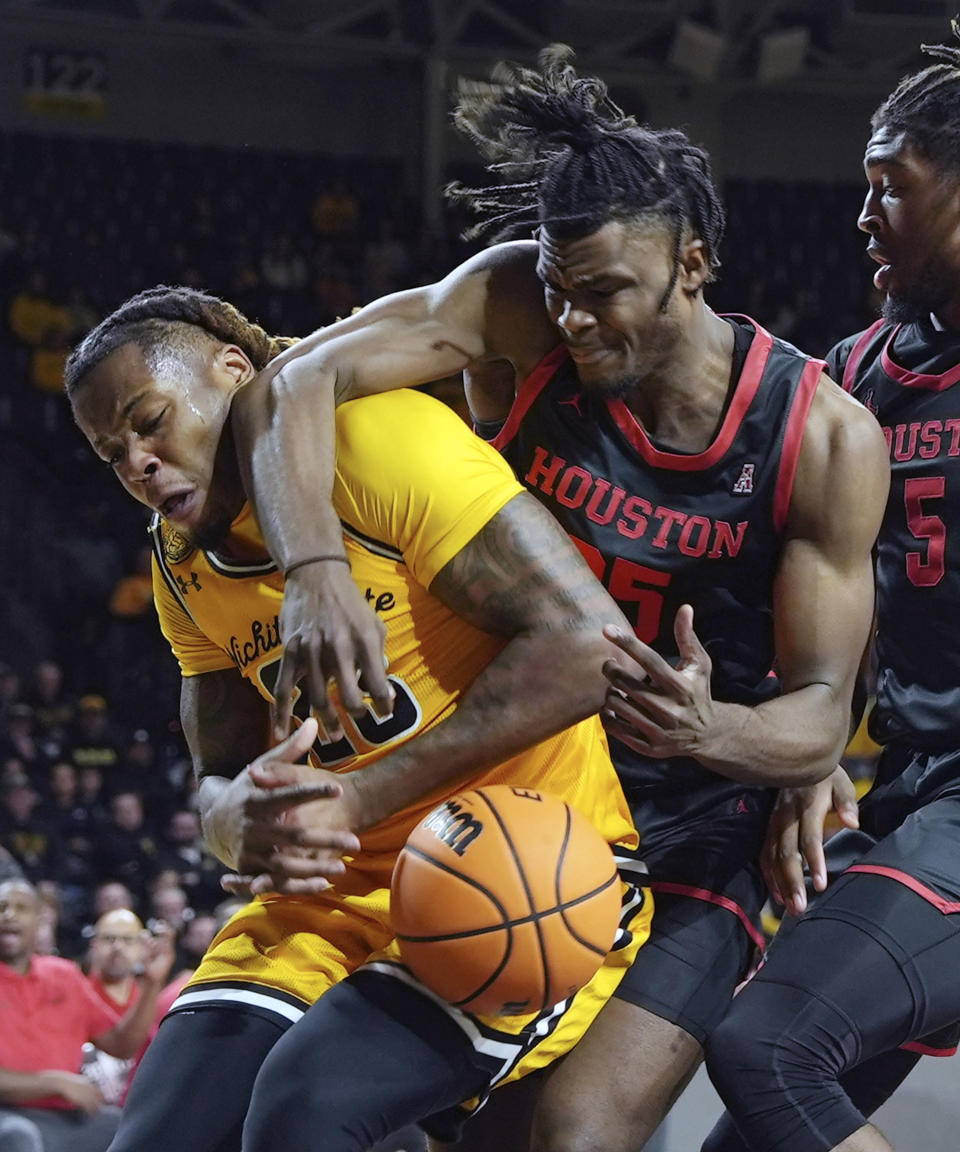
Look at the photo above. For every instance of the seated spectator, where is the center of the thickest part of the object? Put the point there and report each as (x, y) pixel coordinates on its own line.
(9, 868)
(114, 960)
(182, 852)
(10, 688)
(52, 708)
(26, 835)
(126, 847)
(48, 1010)
(109, 895)
(137, 771)
(91, 792)
(19, 740)
(33, 312)
(92, 741)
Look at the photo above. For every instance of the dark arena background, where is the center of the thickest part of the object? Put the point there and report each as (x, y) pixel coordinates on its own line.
(289, 155)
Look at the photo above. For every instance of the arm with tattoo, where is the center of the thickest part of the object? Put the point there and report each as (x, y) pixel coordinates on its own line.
(521, 578)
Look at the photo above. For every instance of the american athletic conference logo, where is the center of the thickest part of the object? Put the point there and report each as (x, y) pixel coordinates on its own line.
(744, 484)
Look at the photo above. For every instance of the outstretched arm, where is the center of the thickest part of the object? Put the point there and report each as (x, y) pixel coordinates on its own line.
(490, 307)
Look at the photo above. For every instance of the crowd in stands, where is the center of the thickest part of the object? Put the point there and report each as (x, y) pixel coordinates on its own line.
(96, 792)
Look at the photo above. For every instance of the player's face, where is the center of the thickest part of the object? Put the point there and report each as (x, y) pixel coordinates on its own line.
(162, 434)
(912, 216)
(605, 293)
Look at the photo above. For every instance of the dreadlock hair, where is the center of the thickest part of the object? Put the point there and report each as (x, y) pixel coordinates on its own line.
(926, 106)
(165, 318)
(569, 158)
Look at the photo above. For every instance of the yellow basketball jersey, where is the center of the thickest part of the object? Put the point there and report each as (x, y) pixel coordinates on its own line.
(413, 487)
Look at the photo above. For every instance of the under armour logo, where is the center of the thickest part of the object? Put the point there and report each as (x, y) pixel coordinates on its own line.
(744, 484)
(573, 402)
(185, 585)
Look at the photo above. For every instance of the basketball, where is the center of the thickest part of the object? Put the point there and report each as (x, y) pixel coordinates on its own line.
(505, 900)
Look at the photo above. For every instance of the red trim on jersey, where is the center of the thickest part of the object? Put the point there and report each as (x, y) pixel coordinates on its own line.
(856, 354)
(528, 391)
(947, 907)
(926, 1050)
(793, 438)
(743, 395)
(908, 379)
(711, 898)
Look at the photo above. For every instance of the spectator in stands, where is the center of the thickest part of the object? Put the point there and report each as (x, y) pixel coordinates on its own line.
(197, 872)
(27, 836)
(92, 741)
(114, 961)
(47, 942)
(19, 740)
(91, 791)
(138, 772)
(336, 211)
(47, 1011)
(10, 688)
(53, 709)
(33, 311)
(195, 938)
(127, 849)
(109, 895)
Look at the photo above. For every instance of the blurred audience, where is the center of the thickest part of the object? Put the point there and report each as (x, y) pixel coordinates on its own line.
(48, 1011)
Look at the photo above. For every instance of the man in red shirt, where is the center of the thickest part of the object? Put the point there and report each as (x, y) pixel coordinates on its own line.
(48, 1010)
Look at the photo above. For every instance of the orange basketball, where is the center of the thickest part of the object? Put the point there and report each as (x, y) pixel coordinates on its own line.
(505, 900)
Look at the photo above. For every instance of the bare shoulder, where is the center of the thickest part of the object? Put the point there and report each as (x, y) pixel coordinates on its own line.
(843, 473)
(515, 321)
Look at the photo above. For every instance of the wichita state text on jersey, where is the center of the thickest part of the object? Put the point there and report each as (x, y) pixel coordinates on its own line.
(662, 529)
(413, 487)
(912, 369)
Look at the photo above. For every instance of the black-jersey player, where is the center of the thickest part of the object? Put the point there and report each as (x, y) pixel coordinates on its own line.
(866, 981)
(725, 489)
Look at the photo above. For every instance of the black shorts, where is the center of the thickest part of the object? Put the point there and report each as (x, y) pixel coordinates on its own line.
(708, 893)
(922, 852)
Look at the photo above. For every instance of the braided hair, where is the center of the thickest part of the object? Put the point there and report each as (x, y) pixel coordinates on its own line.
(165, 318)
(570, 159)
(926, 106)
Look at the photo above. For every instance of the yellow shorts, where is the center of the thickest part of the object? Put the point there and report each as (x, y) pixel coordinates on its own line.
(279, 954)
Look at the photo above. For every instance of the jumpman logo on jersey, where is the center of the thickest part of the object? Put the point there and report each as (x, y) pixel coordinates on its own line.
(744, 484)
(185, 585)
(573, 402)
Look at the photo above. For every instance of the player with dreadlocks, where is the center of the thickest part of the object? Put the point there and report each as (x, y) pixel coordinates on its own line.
(484, 601)
(866, 981)
(725, 491)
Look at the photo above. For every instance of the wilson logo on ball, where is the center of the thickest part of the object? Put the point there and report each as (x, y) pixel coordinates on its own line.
(456, 828)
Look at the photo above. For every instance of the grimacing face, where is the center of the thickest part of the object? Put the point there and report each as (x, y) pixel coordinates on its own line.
(912, 215)
(161, 431)
(604, 292)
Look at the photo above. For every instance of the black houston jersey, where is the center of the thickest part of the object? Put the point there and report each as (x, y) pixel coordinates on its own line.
(906, 376)
(662, 529)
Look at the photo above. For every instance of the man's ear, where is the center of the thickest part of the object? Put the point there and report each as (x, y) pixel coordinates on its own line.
(694, 265)
(233, 364)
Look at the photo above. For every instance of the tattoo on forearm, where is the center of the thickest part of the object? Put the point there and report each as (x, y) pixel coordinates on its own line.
(522, 573)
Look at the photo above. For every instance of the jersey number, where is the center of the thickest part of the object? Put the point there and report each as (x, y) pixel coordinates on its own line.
(362, 733)
(630, 584)
(925, 573)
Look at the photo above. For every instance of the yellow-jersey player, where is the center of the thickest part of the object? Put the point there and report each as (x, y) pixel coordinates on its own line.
(493, 635)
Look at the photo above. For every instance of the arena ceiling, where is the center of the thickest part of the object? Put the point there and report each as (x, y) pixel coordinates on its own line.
(828, 42)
